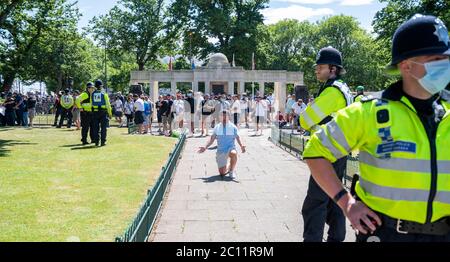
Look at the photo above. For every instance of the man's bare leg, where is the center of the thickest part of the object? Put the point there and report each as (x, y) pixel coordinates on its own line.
(233, 160)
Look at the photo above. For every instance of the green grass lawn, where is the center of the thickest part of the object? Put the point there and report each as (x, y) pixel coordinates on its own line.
(53, 189)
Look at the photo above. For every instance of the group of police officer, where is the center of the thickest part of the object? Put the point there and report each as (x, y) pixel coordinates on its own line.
(403, 138)
(95, 109)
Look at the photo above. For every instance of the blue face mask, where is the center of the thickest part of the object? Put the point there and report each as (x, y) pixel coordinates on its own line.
(437, 76)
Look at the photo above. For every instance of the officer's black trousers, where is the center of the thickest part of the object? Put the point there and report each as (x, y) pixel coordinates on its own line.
(66, 113)
(319, 209)
(100, 122)
(57, 114)
(386, 234)
(86, 126)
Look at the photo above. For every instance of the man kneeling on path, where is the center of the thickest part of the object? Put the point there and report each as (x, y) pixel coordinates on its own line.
(225, 132)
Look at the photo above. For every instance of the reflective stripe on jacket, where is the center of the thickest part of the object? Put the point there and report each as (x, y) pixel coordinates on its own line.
(334, 96)
(404, 173)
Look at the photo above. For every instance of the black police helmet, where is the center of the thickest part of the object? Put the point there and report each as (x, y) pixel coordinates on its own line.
(331, 56)
(66, 90)
(98, 83)
(420, 35)
(89, 85)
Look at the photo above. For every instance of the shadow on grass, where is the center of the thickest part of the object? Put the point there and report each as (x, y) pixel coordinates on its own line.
(83, 147)
(6, 143)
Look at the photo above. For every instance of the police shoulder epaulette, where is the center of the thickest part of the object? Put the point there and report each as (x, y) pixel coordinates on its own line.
(338, 84)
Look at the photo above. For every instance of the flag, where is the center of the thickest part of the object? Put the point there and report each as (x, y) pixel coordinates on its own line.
(233, 64)
(192, 64)
(170, 64)
(253, 61)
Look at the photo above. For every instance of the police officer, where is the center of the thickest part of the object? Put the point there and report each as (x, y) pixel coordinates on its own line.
(359, 93)
(83, 102)
(67, 106)
(101, 110)
(334, 94)
(404, 144)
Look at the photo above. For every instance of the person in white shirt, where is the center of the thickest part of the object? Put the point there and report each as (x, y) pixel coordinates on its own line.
(118, 110)
(139, 113)
(297, 109)
(260, 113)
(236, 110)
(178, 109)
(244, 108)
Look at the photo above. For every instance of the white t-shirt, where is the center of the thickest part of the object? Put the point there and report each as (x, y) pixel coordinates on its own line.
(260, 108)
(118, 105)
(244, 104)
(298, 109)
(236, 107)
(139, 105)
(178, 106)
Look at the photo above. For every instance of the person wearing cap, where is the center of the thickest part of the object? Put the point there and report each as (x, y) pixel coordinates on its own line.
(67, 106)
(226, 133)
(83, 102)
(101, 111)
(359, 93)
(333, 95)
(403, 139)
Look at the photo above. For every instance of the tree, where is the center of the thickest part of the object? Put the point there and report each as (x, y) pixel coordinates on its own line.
(22, 29)
(388, 19)
(226, 26)
(293, 45)
(142, 27)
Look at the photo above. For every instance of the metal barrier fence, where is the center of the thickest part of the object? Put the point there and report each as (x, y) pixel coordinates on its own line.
(140, 228)
(295, 144)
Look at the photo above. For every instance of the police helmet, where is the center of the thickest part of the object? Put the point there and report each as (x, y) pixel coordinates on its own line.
(66, 91)
(420, 35)
(89, 84)
(331, 56)
(98, 83)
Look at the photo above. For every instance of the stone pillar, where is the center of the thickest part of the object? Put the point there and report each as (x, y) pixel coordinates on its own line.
(154, 90)
(173, 87)
(261, 88)
(195, 86)
(207, 87)
(280, 92)
(241, 87)
(230, 88)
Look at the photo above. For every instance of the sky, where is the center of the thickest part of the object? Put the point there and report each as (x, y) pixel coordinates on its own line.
(311, 10)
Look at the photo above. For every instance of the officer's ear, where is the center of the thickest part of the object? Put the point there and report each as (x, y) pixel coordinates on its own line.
(404, 66)
(333, 69)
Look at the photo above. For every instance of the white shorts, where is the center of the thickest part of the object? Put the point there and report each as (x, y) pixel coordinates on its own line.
(222, 158)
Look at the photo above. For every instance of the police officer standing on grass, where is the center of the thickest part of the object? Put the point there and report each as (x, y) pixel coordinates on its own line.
(67, 106)
(403, 193)
(83, 102)
(334, 94)
(101, 111)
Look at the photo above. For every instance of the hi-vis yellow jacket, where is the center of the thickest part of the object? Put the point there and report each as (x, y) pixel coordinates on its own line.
(334, 96)
(404, 172)
(84, 101)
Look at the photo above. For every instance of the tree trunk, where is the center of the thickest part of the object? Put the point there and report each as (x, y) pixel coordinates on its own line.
(141, 65)
(8, 81)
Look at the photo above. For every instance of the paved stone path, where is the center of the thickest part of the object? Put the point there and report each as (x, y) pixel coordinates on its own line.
(262, 204)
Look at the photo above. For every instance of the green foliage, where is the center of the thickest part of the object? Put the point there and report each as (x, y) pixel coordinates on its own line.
(293, 45)
(388, 19)
(226, 26)
(136, 26)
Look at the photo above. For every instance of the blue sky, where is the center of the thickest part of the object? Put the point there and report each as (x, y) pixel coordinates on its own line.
(312, 10)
